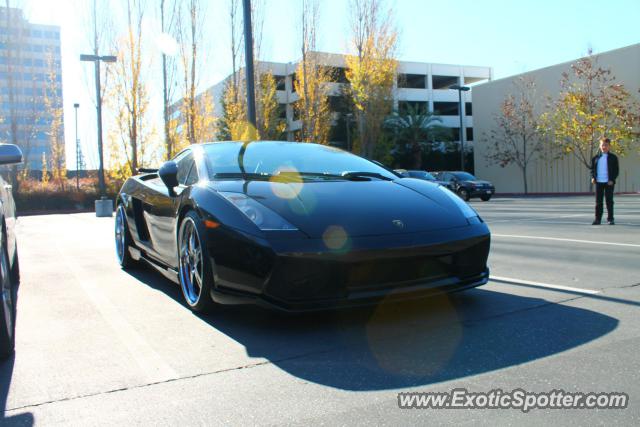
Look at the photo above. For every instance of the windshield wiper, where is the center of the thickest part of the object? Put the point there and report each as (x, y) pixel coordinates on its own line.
(363, 175)
(240, 175)
(294, 174)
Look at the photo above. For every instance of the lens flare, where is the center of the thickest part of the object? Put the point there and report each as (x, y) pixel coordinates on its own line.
(335, 238)
(415, 339)
(286, 183)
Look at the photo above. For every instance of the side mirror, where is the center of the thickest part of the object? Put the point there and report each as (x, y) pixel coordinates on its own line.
(169, 175)
(10, 154)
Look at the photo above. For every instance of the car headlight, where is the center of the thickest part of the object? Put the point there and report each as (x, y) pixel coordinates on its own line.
(260, 215)
(467, 210)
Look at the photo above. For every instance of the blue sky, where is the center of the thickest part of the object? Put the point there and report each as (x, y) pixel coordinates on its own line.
(510, 36)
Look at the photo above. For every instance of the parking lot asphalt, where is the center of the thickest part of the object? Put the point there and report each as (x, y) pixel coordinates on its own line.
(99, 346)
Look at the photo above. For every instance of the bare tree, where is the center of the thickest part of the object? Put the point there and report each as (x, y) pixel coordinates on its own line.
(168, 24)
(517, 137)
(197, 109)
(237, 40)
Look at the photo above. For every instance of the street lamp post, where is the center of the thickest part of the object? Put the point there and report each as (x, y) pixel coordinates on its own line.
(248, 55)
(348, 123)
(461, 89)
(103, 193)
(75, 106)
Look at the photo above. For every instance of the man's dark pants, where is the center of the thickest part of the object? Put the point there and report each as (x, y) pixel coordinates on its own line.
(606, 190)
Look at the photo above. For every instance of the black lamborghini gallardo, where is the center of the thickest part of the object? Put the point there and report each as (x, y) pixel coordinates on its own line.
(297, 226)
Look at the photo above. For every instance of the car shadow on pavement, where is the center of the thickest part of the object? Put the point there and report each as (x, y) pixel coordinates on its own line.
(396, 345)
(6, 372)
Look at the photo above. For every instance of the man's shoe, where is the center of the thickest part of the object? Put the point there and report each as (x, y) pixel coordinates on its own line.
(596, 222)
(612, 222)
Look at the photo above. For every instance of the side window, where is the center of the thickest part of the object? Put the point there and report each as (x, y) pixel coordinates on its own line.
(192, 178)
(184, 166)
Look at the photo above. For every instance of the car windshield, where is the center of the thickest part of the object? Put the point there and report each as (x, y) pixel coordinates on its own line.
(422, 175)
(265, 159)
(464, 176)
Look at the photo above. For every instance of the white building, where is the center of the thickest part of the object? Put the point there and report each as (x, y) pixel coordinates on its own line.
(421, 84)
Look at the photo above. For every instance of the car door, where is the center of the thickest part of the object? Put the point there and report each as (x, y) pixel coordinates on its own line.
(163, 210)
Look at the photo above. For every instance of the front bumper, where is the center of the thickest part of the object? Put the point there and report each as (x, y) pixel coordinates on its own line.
(302, 274)
(479, 192)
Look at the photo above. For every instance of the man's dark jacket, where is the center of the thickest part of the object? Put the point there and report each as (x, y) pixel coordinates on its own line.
(612, 166)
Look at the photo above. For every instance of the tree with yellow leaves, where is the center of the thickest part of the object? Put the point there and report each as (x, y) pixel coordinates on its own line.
(270, 125)
(131, 136)
(53, 107)
(591, 105)
(310, 83)
(372, 70)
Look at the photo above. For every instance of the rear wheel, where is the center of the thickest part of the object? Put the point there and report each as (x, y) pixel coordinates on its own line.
(195, 272)
(7, 307)
(123, 240)
(485, 198)
(464, 194)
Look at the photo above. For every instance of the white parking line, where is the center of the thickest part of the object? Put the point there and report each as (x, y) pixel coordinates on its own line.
(544, 285)
(592, 242)
(533, 219)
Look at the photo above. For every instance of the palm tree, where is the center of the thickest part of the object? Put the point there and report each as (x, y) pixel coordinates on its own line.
(414, 129)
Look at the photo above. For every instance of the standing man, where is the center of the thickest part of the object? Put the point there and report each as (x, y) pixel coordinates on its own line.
(604, 171)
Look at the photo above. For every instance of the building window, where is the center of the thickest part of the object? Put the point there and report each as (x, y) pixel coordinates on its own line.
(445, 108)
(443, 82)
(280, 82)
(336, 74)
(338, 104)
(469, 134)
(293, 83)
(467, 109)
(412, 81)
(455, 134)
(282, 111)
(413, 107)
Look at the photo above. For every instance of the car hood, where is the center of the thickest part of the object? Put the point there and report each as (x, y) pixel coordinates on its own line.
(357, 208)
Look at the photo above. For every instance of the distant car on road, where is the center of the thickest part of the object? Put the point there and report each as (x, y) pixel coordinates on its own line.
(297, 227)
(9, 269)
(420, 174)
(466, 185)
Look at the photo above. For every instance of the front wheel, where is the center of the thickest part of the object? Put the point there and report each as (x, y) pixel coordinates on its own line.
(464, 194)
(123, 240)
(195, 272)
(7, 307)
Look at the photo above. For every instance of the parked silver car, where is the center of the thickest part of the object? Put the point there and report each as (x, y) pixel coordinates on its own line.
(9, 268)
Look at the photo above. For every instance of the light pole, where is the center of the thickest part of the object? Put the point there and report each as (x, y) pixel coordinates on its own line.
(103, 193)
(248, 54)
(461, 89)
(348, 116)
(75, 106)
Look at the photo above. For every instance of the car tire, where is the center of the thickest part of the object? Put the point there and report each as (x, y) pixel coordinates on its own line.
(464, 194)
(123, 240)
(195, 270)
(485, 198)
(7, 305)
